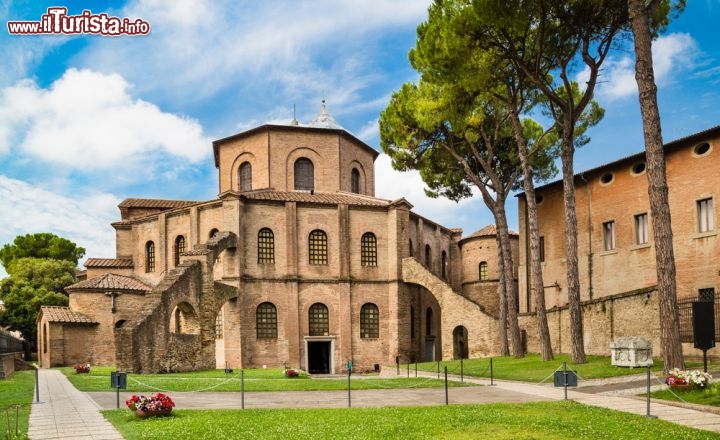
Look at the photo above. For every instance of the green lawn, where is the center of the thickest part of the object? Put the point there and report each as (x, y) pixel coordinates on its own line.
(709, 396)
(271, 379)
(16, 395)
(531, 368)
(543, 420)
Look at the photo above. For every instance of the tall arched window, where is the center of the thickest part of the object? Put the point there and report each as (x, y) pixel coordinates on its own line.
(317, 247)
(304, 174)
(369, 321)
(443, 262)
(428, 256)
(412, 322)
(266, 246)
(355, 181)
(245, 177)
(179, 248)
(318, 320)
(368, 249)
(483, 271)
(149, 256)
(266, 321)
(412, 251)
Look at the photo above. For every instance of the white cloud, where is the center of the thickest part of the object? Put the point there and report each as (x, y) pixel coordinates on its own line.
(89, 120)
(673, 55)
(468, 214)
(197, 48)
(85, 220)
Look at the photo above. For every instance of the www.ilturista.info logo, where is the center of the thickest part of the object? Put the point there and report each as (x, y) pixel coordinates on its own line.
(56, 21)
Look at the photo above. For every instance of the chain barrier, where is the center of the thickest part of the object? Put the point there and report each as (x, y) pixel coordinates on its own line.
(224, 381)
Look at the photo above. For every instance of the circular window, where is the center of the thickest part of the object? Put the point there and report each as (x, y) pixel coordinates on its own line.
(539, 198)
(701, 149)
(638, 168)
(606, 178)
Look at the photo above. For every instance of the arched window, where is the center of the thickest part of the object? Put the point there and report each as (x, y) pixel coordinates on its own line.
(44, 337)
(245, 177)
(428, 321)
(483, 271)
(368, 249)
(149, 256)
(317, 247)
(428, 256)
(266, 246)
(369, 321)
(213, 232)
(179, 248)
(412, 251)
(318, 320)
(304, 174)
(266, 321)
(355, 181)
(443, 262)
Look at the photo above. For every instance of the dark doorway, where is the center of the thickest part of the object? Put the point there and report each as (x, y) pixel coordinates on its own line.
(318, 357)
(460, 348)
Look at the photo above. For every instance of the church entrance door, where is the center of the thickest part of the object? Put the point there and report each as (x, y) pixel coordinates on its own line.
(318, 353)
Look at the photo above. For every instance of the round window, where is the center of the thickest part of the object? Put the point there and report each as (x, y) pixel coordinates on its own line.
(638, 168)
(606, 178)
(701, 149)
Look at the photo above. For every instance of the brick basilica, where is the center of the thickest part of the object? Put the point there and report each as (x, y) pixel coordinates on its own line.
(295, 263)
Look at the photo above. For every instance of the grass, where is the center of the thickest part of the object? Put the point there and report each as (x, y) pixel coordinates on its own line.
(271, 379)
(708, 396)
(540, 420)
(16, 395)
(531, 368)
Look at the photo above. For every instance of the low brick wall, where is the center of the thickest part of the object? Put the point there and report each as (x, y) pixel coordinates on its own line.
(7, 364)
(634, 313)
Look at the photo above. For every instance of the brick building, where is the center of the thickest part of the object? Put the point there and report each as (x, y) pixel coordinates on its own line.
(615, 246)
(295, 263)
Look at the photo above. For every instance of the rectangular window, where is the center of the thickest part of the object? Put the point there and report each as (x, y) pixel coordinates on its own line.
(641, 229)
(706, 221)
(542, 249)
(609, 235)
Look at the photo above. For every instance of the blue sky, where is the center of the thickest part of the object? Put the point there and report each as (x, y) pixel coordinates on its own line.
(87, 121)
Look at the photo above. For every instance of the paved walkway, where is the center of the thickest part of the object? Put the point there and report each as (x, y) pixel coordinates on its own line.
(65, 413)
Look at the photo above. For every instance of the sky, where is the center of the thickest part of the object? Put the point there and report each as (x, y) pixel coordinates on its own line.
(89, 120)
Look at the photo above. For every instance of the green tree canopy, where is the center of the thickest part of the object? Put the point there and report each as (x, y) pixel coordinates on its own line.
(40, 245)
(33, 282)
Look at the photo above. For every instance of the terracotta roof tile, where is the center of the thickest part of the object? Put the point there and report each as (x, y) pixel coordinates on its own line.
(320, 198)
(64, 314)
(155, 203)
(115, 263)
(111, 281)
(489, 230)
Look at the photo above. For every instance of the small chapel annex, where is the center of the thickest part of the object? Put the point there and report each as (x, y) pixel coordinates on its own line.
(296, 263)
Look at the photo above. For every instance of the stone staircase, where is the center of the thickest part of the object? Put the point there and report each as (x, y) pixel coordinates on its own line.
(455, 310)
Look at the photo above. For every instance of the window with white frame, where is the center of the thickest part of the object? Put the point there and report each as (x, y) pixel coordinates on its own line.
(642, 235)
(706, 220)
(609, 235)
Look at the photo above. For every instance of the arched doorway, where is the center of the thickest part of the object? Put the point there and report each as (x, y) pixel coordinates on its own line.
(460, 342)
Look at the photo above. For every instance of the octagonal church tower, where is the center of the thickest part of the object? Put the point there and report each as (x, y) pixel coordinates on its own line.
(296, 263)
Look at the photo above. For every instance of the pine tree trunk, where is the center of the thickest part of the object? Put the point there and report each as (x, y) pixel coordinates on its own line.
(507, 268)
(536, 286)
(657, 188)
(502, 303)
(577, 345)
